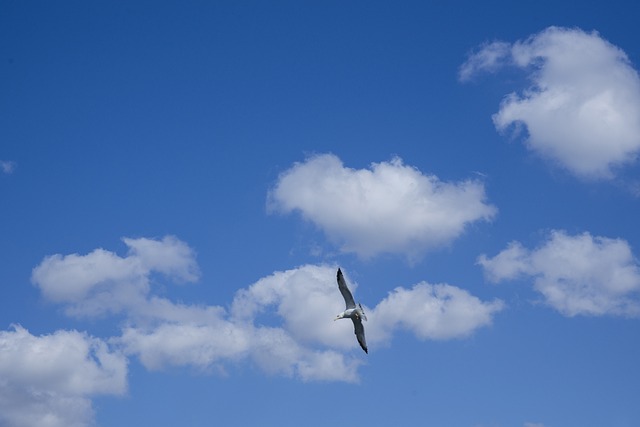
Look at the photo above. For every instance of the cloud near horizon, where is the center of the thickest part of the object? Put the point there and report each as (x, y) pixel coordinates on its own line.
(576, 275)
(388, 208)
(582, 110)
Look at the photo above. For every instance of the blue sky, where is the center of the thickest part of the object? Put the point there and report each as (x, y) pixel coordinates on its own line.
(180, 182)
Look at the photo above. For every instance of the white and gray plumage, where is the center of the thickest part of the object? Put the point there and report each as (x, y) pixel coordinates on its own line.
(353, 312)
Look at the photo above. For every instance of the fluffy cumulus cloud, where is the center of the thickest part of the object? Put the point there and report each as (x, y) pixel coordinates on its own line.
(282, 323)
(306, 294)
(576, 275)
(583, 108)
(389, 208)
(304, 298)
(102, 281)
(49, 380)
(162, 333)
(429, 311)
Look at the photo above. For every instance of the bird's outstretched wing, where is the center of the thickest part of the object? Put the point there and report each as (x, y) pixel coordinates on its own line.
(346, 293)
(359, 331)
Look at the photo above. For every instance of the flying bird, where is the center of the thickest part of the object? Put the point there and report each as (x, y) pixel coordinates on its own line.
(353, 312)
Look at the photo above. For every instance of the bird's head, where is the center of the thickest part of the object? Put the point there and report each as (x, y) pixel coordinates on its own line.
(339, 316)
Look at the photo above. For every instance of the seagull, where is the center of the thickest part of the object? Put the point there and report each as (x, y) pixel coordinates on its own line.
(356, 314)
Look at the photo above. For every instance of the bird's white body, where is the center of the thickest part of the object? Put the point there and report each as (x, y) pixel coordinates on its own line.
(352, 313)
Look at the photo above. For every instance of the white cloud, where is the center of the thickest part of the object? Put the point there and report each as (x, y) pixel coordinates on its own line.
(212, 347)
(102, 281)
(180, 344)
(304, 295)
(7, 166)
(577, 275)
(283, 323)
(207, 338)
(583, 109)
(163, 333)
(48, 380)
(507, 265)
(490, 57)
(169, 256)
(389, 208)
(277, 352)
(282, 320)
(306, 298)
(433, 312)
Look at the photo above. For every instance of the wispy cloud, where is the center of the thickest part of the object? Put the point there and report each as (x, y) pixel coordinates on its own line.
(490, 58)
(583, 108)
(7, 167)
(577, 275)
(50, 379)
(389, 208)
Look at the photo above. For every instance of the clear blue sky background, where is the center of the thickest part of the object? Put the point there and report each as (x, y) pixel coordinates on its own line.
(180, 181)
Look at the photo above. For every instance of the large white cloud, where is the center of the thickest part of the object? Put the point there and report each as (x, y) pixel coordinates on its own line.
(48, 380)
(389, 208)
(577, 275)
(282, 323)
(583, 108)
(306, 295)
(163, 333)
